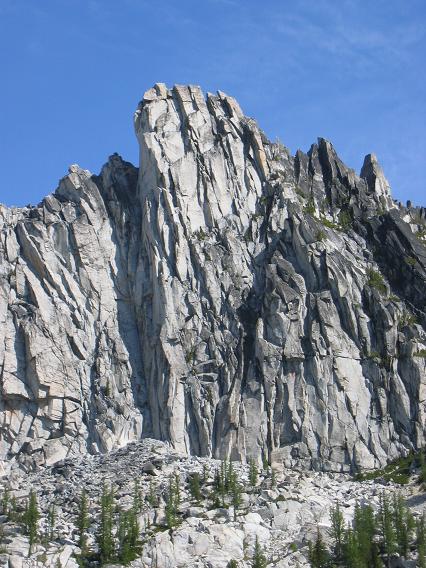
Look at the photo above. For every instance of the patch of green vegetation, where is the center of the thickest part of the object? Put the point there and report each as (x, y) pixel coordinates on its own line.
(421, 235)
(345, 220)
(200, 235)
(159, 528)
(310, 206)
(383, 361)
(373, 355)
(293, 547)
(406, 319)
(421, 353)
(410, 260)
(320, 236)
(248, 235)
(325, 204)
(107, 389)
(190, 354)
(375, 280)
(209, 393)
(397, 471)
(300, 192)
(393, 298)
(329, 224)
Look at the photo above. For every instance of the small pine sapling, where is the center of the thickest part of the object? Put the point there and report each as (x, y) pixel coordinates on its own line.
(31, 517)
(194, 487)
(259, 558)
(253, 473)
(318, 553)
(83, 522)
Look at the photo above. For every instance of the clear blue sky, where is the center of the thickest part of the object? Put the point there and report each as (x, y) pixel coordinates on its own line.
(73, 71)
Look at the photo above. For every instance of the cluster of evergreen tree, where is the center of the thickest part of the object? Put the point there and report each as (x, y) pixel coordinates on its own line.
(117, 537)
(118, 532)
(28, 518)
(373, 538)
(173, 501)
(227, 489)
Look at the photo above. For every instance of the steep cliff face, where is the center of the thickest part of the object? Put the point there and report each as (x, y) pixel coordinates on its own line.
(227, 297)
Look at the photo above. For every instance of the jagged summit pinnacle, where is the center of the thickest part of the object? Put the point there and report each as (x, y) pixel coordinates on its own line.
(226, 297)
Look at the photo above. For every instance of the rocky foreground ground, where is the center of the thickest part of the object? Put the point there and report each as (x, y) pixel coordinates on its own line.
(283, 511)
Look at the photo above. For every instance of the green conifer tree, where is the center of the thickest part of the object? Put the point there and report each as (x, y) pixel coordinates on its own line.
(51, 521)
(259, 558)
(128, 536)
(318, 553)
(205, 474)
(5, 503)
(351, 555)
(83, 522)
(253, 472)
(404, 524)
(219, 486)
(13, 510)
(387, 529)
(421, 541)
(194, 487)
(376, 561)
(273, 479)
(31, 517)
(177, 490)
(224, 473)
(172, 502)
(265, 461)
(152, 497)
(105, 537)
(236, 492)
(137, 497)
(337, 531)
(231, 476)
(215, 497)
(365, 528)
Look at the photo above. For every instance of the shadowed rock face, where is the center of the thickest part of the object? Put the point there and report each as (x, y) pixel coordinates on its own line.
(227, 297)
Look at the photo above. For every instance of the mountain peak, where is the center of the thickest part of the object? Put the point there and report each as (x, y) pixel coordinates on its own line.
(226, 297)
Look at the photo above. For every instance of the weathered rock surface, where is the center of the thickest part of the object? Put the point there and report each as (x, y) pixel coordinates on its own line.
(226, 297)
